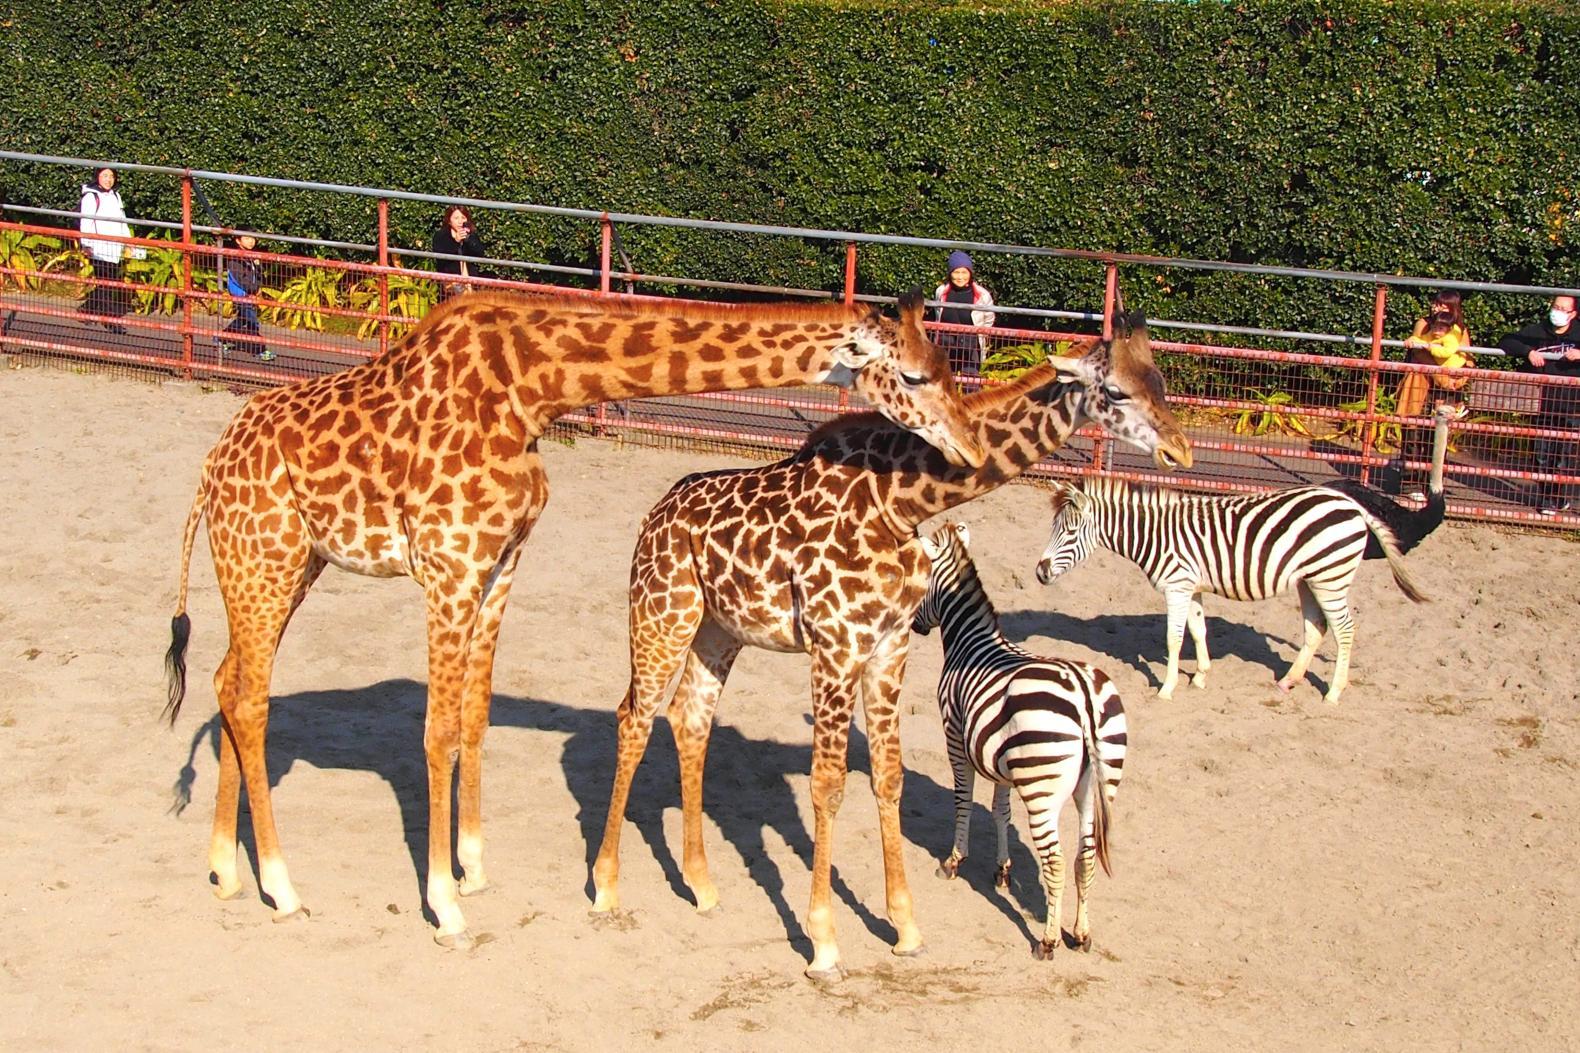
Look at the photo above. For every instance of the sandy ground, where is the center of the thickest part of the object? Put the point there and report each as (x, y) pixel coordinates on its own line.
(1394, 873)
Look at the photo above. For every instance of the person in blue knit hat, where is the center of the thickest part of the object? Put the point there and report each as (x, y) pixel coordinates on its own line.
(963, 301)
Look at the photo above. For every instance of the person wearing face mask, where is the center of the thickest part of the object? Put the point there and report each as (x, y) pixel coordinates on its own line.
(455, 237)
(1439, 339)
(1550, 347)
(962, 301)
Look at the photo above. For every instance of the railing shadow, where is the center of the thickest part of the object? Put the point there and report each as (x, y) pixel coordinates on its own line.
(748, 788)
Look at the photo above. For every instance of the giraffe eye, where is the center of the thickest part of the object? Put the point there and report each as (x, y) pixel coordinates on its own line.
(1115, 395)
(913, 380)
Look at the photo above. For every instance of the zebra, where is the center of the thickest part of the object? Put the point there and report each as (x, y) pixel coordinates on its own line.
(1049, 727)
(1245, 548)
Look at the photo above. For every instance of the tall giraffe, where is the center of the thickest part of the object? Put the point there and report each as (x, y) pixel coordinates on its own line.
(424, 463)
(819, 553)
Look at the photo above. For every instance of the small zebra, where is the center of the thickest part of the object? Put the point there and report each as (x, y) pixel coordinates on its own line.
(1246, 548)
(1049, 727)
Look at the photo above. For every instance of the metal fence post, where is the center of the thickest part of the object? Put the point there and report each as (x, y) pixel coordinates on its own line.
(1369, 432)
(186, 275)
(1110, 303)
(607, 231)
(384, 278)
(850, 298)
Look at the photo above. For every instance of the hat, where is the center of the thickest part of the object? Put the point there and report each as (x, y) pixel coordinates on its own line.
(959, 258)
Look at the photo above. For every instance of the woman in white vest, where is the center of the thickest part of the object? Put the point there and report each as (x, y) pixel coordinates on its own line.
(103, 213)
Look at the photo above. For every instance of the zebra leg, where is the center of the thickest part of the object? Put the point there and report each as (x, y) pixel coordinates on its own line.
(1198, 634)
(1335, 605)
(1086, 805)
(1001, 822)
(691, 712)
(1179, 612)
(1315, 625)
(1053, 892)
(965, 783)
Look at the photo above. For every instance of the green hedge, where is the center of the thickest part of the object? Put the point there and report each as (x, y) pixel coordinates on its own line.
(1419, 136)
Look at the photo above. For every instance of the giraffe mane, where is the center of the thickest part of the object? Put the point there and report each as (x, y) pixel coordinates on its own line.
(654, 307)
(977, 404)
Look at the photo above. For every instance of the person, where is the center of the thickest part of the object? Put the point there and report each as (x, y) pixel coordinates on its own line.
(244, 277)
(963, 301)
(455, 237)
(1550, 347)
(102, 212)
(1439, 339)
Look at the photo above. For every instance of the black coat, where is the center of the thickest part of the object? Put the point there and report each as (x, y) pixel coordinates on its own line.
(1557, 400)
(472, 247)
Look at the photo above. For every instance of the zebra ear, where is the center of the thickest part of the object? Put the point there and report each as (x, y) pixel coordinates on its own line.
(1063, 494)
(963, 534)
(931, 547)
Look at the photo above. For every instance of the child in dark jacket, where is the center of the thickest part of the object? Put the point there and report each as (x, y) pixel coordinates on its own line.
(244, 277)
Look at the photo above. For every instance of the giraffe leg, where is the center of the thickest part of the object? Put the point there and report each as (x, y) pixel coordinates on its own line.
(1315, 625)
(453, 607)
(881, 682)
(1001, 824)
(691, 719)
(1198, 634)
(833, 705)
(259, 604)
(476, 701)
(222, 843)
(1179, 612)
(965, 782)
(663, 624)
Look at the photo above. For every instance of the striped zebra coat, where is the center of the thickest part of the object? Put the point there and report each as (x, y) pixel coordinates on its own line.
(1310, 538)
(1050, 728)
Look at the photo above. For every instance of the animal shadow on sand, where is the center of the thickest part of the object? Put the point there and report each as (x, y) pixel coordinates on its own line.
(749, 788)
(1138, 640)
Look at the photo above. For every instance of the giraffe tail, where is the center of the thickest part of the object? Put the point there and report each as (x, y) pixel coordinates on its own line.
(180, 624)
(1101, 819)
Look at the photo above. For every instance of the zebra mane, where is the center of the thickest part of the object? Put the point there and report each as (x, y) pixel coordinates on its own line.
(1147, 495)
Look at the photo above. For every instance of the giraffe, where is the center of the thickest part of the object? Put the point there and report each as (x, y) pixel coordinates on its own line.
(424, 463)
(819, 554)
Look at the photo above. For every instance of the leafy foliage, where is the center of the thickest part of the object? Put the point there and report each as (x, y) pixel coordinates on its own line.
(1392, 136)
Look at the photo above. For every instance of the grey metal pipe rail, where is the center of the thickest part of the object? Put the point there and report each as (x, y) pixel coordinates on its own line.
(1121, 258)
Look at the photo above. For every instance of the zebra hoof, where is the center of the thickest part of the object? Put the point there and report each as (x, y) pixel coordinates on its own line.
(1043, 952)
(1001, 879)
(949, 869)
(1084, 943)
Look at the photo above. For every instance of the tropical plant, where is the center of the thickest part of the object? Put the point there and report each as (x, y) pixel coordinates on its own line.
(409, 298)
(1386, 435)
(1270, 415)
(159, 272)
(1004, 364)
(300, 304)
(32, 254)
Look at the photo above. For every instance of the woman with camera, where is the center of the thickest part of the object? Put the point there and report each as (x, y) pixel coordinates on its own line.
(456, 238)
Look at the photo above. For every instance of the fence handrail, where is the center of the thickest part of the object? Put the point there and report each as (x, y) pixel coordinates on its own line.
(1095, 256)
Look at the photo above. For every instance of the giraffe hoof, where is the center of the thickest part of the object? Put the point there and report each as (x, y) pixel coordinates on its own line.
(456, 941)
(470, 888)
(227, 894)
(826, 977)
(712, 910)
(909, 952)
(299, 914)
(1084, 944)
(1043, 952)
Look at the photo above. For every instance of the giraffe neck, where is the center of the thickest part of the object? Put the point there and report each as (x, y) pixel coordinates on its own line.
(915, 483)
(550, 357)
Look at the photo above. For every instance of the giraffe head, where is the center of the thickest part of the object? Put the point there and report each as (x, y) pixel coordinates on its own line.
(1074, 532)
(1123, 393)
(949, 551)
(905, 376)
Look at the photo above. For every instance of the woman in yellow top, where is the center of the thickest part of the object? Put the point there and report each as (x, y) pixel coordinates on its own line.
(1439, 339)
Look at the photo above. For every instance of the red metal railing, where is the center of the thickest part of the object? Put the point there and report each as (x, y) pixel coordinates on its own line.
(1272, 423)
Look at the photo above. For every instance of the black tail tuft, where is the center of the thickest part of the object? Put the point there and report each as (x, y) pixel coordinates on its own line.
(1410, 527)
(176, 666)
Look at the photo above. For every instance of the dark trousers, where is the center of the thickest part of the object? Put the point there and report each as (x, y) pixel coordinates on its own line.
(105, 299)
(246, 321)
(965, 352)
(1557, 456)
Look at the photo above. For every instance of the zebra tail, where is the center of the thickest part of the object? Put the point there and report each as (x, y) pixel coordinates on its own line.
(1101, 819)
(180, 624)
